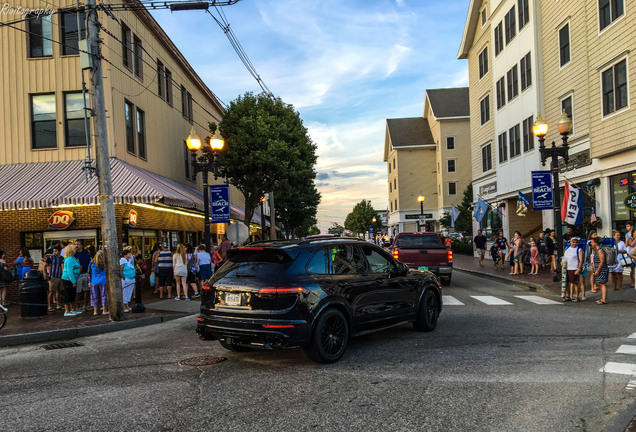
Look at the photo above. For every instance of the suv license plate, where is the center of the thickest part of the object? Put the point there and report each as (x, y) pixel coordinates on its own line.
(232, 299)
(425, 268)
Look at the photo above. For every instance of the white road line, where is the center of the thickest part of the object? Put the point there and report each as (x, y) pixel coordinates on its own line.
(619, 368)
(631, 385)
(632, 336)
(451, 301)
(491, 301)
(538, 300)
(626, 349)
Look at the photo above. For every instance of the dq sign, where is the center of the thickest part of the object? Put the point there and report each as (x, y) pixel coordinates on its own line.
(132, 218)
(61, 219)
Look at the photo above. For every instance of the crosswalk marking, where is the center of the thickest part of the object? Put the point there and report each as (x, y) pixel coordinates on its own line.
(632, 336)
(626, 349)
(538, 300)
(619, 368)
(451, 301)
(491, 301)
(631, 385)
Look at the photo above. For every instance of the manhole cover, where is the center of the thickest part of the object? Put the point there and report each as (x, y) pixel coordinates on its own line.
(63, 345)
(202, 360)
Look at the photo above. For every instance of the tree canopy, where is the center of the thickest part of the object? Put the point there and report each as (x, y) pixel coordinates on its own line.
(336, 229)
(361, 217)
(267, 148)
(464, 222)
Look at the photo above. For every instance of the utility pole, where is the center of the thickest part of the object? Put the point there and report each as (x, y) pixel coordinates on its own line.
(104, 181)
(272, 216)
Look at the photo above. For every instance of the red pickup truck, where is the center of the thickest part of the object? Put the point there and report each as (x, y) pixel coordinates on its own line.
(424, 251)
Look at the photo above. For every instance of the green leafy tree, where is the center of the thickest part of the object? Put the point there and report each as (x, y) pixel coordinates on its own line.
(336, 229)
(296, 206)
(308, 228)
(361, 217)
(267, 148)
(464, 222)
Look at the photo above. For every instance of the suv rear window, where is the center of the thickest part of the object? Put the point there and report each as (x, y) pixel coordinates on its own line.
(417, 241)
(256, 262)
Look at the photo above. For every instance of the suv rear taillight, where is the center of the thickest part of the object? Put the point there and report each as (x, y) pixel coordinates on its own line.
(450, 256)
(277, 290)
(206, 287)
(396, 254)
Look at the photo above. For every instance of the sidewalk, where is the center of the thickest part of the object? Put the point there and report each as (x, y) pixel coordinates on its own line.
(55, 326)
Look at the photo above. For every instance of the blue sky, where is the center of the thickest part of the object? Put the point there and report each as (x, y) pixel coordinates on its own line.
(345, 65)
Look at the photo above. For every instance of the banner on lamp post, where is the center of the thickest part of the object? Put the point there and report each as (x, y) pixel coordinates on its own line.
(542, 191)
(220, 203)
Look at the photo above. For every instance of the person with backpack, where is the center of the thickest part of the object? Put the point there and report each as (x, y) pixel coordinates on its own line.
(630, 242)
(193, 270)
(616, 271)
(600, 269)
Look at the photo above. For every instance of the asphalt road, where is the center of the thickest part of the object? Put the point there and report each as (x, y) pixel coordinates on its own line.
(521, 366)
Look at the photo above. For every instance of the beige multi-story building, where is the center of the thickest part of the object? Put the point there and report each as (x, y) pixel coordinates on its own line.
(153, 100)
(528, 58)
(428, 157)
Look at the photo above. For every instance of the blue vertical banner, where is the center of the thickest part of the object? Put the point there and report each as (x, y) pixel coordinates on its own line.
(220, 203)
(542, 190)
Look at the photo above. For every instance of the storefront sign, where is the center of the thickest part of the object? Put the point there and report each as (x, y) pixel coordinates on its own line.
(132, 218)
(630, 201)
(61, 219)
(418, 216)
(542, 190)
(488, 189)
(220, 203)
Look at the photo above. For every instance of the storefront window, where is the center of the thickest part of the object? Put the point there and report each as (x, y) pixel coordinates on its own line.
(492, 222)
(144, 240)
(173, 238)
(622, 185)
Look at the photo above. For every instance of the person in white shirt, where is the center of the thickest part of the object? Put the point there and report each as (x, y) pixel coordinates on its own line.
(573, 260)
(616, 271)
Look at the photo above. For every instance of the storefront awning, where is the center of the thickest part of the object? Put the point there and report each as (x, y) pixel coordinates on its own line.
(48, 184)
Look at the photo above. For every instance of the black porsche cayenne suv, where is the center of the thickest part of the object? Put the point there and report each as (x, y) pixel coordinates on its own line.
(315, 294)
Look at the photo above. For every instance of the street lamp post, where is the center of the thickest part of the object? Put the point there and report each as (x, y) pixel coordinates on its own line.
(421, 199)
(540, 129)
(194, 144)
(262, 219)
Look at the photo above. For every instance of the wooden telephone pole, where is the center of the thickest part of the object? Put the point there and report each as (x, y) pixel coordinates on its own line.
(104, 181)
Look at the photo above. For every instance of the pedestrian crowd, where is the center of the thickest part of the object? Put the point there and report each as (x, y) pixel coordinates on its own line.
(601, 260)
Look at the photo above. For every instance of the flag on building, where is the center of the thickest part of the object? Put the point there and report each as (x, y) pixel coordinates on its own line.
(522, 204)
(480, 209)
(454, 216)
(572, 207)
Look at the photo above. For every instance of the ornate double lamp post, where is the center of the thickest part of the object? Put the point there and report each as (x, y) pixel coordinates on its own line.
(194, 144)
(421, 199)
(540, 129)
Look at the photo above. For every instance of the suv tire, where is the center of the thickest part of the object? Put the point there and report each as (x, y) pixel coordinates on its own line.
(428, 312)
(329, 338)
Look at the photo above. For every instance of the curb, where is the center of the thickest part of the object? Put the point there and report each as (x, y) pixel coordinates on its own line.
(73, 333)
(623, 420)
(535, 287)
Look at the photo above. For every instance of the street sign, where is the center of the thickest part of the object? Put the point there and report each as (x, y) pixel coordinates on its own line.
(220, 203)
(237, 232)
(371, 230)
(542, 190)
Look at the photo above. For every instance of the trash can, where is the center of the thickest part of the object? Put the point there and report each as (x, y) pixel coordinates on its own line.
(33, 292)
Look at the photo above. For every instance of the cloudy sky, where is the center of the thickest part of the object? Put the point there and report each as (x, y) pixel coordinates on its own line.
(345, 65)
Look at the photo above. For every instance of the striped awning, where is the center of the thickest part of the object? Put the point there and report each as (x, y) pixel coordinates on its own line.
(48, 184)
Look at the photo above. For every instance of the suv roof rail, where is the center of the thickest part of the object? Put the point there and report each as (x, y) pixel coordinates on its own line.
(311, 239)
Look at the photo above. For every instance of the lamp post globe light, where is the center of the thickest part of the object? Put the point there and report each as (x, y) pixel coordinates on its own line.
(194, 144)
(540, 129)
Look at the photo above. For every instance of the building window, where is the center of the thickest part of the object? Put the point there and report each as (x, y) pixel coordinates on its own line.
(483, 17)
(393, 163)
(138, 51)
(126, 46)
(484, 107)
(486, 158)
(483, 62)
(43, 124)
(526, 72)
(511, 25)
(524, 13)
(141, 133)
(498, 38)
(187, 161)
(501, 93)
(69, 32)
(609, 11)
(186, 104)
(450, 143)
(396, 207)
(74, 125)
(389, 164)
(391, 206)
(513, 83)
(130, 127)
(169, 87)
(40, 36)
(515, 141)
(528, 136)
(452, 188)
(451, 165)
(566, 107)
(614, 82)
(564, 45)
(395, 183)
(503, 147)
(390, 187)
(161, 73)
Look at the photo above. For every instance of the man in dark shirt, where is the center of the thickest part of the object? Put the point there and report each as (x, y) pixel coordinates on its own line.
(84, 258)
(480, 246)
